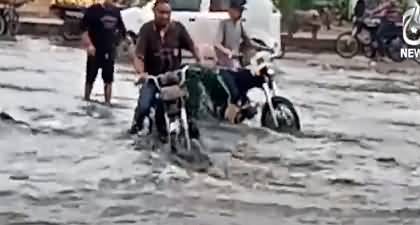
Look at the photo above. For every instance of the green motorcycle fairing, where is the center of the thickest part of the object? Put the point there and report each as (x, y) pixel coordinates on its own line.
(205, 91)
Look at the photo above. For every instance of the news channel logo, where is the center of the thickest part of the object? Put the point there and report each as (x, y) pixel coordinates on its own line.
(411, 30)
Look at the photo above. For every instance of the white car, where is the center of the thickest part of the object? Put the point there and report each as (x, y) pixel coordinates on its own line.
(201, 18)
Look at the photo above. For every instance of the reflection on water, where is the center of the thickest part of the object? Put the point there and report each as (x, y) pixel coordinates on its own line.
(65, 161)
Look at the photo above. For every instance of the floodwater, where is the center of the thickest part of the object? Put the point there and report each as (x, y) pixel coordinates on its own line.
(65, 161)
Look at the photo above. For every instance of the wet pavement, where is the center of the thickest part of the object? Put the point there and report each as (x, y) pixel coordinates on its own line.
(65, 161)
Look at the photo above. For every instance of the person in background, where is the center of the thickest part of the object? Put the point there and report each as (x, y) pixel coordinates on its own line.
(158, 50)
(102, 26)
(359, 9)
(390, 13)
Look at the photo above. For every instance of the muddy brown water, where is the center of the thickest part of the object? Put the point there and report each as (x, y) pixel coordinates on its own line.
(65, 161)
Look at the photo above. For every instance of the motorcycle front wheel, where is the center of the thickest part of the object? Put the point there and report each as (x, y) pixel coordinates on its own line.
(286, 114)
(193, 159)
(346, 45)
(3, 26)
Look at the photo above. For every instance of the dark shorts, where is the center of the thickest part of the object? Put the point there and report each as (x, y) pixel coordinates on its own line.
(105, 62)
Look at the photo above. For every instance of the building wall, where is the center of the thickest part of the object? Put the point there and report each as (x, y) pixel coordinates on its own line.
(36, 8)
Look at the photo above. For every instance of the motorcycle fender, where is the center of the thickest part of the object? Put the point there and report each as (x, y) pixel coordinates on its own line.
(174, 126)
(354, 31)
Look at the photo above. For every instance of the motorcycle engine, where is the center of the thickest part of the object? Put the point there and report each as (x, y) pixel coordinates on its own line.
(364, 37)
(172, 107)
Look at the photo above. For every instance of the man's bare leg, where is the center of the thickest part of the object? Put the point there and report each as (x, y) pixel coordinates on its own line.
(88, 91)
(108, 93)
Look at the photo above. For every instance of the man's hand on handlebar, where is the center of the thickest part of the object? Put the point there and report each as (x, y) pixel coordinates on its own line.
(141, 78)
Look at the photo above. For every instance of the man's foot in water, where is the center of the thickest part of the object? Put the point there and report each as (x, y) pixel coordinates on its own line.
(108, 104)
(163, 138)
(136, 130)
(249, 112)
(246, 113)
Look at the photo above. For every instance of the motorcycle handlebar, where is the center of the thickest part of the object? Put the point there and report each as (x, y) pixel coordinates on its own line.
(145, 78)
(180, 72)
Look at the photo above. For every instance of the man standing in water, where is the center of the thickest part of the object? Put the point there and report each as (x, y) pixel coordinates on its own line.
(158, 51)
(102, 24)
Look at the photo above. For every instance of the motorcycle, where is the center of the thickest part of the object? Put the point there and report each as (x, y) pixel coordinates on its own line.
(362, 39)
(278, 113)
(183, 136)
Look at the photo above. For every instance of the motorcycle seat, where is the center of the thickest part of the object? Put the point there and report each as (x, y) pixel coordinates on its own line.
(170, 93)
(169, 78)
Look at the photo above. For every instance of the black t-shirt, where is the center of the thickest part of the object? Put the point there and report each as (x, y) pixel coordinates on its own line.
(161, 55)
(359, 9)
(104, 25)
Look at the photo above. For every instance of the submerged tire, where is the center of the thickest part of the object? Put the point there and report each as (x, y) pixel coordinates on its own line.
(351, 44)
(3, 27)
(13, 22)
(195, 159)
(288, 120)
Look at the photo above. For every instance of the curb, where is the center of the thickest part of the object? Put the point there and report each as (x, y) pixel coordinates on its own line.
(40, 26)
(308, 44)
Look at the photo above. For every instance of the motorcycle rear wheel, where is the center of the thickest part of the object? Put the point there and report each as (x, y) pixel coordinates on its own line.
(350, 42)
(289, 120)
(394, 49)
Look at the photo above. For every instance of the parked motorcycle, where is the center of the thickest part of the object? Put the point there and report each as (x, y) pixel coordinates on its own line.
(362, 39)
(183, 136)
(278, 113)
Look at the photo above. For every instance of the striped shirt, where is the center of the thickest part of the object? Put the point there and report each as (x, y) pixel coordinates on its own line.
(390, 10)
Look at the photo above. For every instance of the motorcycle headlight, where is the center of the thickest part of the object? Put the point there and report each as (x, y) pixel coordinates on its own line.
(270, 72)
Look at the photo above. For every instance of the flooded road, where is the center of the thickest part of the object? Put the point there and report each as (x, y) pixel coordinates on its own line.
(65, 161)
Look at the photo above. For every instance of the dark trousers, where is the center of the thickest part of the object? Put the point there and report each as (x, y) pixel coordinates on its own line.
(230, 82)
(239, 82)
(385, 32)
(146, 100)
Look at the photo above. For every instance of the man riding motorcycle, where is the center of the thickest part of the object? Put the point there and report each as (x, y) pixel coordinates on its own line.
(232, 40)
(390, 13)
(158, 51)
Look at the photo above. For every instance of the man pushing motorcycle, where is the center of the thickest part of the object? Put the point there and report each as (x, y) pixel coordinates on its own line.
(390, 13)
(158, 50)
